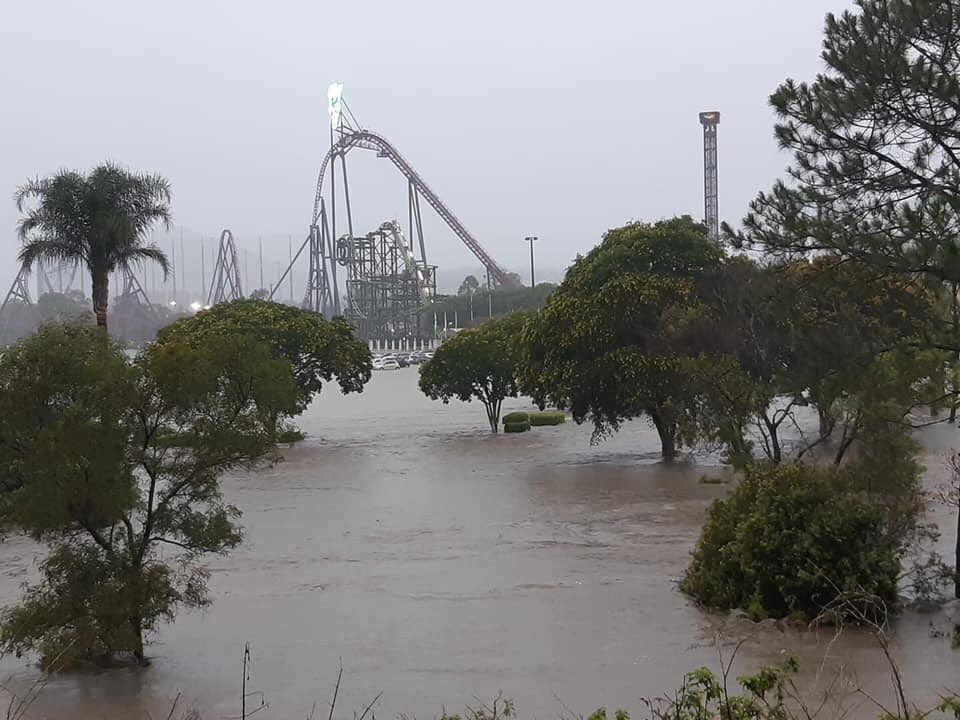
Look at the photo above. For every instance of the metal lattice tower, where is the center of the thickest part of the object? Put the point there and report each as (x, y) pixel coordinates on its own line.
(322, 295)
(334, 198)
(18, 314)
(133, 315)
(56, 277)
(711, 209)
(225, 285)
(388, 286)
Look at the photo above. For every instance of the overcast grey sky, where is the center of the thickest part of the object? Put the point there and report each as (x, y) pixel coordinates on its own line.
(547, 117)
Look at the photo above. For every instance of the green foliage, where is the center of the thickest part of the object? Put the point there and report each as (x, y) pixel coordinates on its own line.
(318, 350)
(469, 286)
(516, 417)
(477, 364)
(107, 460)
(790, 539)
(601, 714)
(844, 338)
(874, 175)
(765, 695)
(290, 435)
(464, 306)
(611, 343)
(518, 426)
(538, 419)
(62, 307)
(99, 220)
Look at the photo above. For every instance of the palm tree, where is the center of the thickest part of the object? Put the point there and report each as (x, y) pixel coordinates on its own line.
(99, 219)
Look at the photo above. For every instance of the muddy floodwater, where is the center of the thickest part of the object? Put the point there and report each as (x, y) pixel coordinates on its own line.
(442, 564)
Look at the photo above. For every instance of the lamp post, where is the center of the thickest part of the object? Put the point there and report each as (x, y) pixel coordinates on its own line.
(533, 278)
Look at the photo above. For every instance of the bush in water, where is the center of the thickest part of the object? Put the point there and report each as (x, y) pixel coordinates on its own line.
(547, 418)
(791, 539)
(516, 417)
(516, 427)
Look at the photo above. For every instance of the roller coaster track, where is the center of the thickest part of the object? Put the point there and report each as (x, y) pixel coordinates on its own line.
(225, 284)
(367, 140)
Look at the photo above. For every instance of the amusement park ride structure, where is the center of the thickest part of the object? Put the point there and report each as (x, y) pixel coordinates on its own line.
(388, 277)
(387, 281)
(225, 284)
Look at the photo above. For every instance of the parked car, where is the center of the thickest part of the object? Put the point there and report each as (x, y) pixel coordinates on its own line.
(377, 363)
(403, 359)
(389, 364)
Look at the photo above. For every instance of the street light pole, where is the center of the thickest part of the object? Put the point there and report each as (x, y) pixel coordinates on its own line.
(533, 278)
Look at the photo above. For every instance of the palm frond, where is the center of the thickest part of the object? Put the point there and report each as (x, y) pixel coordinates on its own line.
(52, 249)
(142, 254)
(101, 218)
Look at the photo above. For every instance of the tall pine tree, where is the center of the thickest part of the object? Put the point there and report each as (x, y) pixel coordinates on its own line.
(876, 144)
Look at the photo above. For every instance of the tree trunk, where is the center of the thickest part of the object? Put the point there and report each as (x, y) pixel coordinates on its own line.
(826, 422)
(668, 443)
(493, 415)
(137, 627)
(776, 454)
(956, 559)
(100, 289)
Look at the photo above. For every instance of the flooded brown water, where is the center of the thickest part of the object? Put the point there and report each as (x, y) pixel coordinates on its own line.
(443, 564)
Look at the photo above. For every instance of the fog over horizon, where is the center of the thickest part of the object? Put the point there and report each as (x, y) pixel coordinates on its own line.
(555, 119)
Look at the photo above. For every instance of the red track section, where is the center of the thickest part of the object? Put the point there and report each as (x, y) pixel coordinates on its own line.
(371, 141)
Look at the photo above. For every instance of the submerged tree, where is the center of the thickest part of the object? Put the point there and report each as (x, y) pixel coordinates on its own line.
(100, 220)
(479, 364)
(612, 342)
(108, 461)
(843, 338)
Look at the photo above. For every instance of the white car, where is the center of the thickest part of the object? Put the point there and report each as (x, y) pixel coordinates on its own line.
(389, 364)
(378, 363)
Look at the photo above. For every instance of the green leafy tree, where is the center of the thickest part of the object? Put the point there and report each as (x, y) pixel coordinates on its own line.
(108, 461)
(478, 364)
(842, 337)
(469, 286)
(612, 342)
(319, 350)
(60, 307)
(479, 306)
(100, 220)
(876, 174)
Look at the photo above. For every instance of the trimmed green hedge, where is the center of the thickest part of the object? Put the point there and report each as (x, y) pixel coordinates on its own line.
(547, 418)
(516, 417)
(516, 427)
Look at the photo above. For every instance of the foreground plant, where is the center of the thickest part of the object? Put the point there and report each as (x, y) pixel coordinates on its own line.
(86, 466)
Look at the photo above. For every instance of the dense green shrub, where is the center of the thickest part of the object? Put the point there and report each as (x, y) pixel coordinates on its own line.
(516, 417)
(516, 427)
(790, 539)
(547, 418)
(290, 434)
